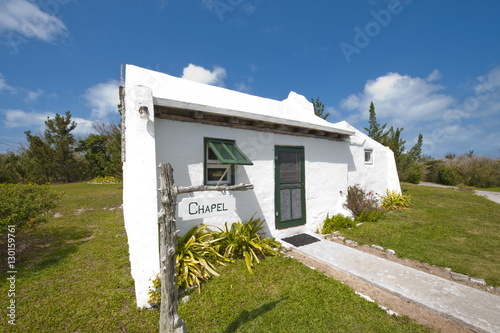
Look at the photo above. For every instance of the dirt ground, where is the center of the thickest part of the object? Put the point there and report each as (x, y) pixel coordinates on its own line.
(421, 315)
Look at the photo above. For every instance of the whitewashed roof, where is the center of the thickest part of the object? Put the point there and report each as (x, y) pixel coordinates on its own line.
(170, 91)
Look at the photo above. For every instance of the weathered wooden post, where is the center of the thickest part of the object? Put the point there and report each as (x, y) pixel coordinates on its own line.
(170, 322)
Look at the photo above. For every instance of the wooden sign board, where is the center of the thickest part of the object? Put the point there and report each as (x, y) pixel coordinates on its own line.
(201, 207)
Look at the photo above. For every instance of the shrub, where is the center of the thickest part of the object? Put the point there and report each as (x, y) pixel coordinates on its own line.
(465, 188)
(154, 292)
(369, 216)
(199, 252)
(359, 201)
(447, 175)
(431, 172)
(105, 180)
(336, 222)
(394, 200)
(25, 205)
(244, 240)
(409, 170)
(468, 169)
(196, 257)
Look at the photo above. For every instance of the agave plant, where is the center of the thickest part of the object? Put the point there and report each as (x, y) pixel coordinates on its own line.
(196, 257)
(394, 200)
(244, 240)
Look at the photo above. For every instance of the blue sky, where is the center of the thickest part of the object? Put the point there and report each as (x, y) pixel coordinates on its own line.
(430, 66)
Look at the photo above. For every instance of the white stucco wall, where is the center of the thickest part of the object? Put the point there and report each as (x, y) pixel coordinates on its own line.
(181, 144)
(139, 190)
(378, 176)
(330, 166)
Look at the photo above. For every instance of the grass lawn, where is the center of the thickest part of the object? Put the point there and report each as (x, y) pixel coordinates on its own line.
(73, 272)
(491, 189)
(73, 275)
(445, 227)
(284, 296)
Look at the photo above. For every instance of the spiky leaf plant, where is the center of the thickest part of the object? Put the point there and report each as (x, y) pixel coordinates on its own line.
(394, 200)
(244, 240)
(197, 257)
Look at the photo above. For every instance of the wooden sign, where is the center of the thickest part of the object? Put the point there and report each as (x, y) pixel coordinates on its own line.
(200, 207)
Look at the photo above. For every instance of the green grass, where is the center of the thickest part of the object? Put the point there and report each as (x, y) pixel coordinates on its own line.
(491, 189)
(74, 276)
(445, 227)
(293, 298)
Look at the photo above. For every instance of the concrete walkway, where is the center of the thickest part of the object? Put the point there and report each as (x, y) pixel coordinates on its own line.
(471, 307)
(493, 196)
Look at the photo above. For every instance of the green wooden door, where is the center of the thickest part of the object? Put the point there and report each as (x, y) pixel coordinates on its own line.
(289, 187)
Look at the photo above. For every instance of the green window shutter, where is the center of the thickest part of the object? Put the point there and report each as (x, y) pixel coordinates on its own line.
(227, 152)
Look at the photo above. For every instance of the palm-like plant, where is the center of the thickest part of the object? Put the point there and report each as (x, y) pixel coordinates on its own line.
(394, 200)
(196, 257)
(244, 240)
(199, 252)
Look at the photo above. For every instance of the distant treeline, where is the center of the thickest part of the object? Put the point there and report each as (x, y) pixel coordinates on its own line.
(57, 156)
(467, 169)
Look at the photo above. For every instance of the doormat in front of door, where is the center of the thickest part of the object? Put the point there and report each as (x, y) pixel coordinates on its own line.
(300, 240)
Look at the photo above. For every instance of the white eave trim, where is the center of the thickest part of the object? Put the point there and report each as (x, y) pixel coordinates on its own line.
(247, 115)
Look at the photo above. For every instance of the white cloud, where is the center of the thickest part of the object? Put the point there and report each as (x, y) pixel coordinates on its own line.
(15, 118)
(27, 19)
(34, 120)
(103, 98)
(199, 74)
(83, 126)
(400, 98)
(243, 87)
(33, 95)
(418, 105)
(335, 115)
(3, 84)
(486, 97)
(434, 76)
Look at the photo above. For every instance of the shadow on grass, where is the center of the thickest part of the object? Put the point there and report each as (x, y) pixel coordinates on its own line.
(39, 249)
(247, 316)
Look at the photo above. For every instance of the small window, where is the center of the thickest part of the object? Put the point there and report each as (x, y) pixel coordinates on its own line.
(221, 156)
(368, 156)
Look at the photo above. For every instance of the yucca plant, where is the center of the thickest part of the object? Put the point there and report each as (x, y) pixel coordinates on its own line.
(197, 257)
(244, 240)
(394, 200)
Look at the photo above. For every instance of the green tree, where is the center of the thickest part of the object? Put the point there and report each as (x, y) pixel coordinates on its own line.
(416, 151)
(13, 168)
(392, 139)
(319, 108)
(62, 144)
(113, 144)
(406, 162)
(375, 131)
(38, 157)
(52, 157)
(102, 151)
(93, 148)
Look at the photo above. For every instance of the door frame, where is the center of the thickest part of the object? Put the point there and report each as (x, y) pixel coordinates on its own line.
(277, 187)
